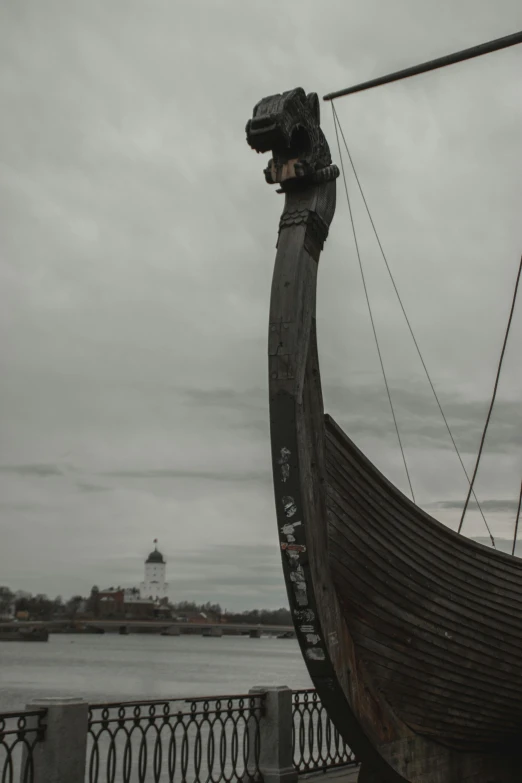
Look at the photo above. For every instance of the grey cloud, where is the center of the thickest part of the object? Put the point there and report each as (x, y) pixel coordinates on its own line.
(228, 476)
(86, 487)
(43, 471)
(8, 508)
(508, 506)
(502, 544)
(228, 569)
(137, 247)
(362, 407)
(247, 399)
(420, 420)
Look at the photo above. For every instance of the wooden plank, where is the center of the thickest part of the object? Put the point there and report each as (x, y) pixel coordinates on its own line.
(410, 624)
(398, 503)
(352, 500)
(365, 613)
(424, 531)
(297, 436)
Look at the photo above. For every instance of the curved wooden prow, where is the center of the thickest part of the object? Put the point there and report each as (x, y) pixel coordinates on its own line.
(390, 750)
(298, 459)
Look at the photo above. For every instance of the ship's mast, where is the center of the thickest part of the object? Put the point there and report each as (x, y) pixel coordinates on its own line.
(431, 65)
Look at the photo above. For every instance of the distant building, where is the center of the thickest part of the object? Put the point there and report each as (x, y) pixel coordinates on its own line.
(154, 587)
(110, 602)
(120, 602)
(198, 618)
(148, 601)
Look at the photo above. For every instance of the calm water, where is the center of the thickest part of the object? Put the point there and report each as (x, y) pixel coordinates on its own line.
(120, 668)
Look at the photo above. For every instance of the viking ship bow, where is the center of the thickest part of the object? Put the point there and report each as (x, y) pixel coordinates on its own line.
(411, 633)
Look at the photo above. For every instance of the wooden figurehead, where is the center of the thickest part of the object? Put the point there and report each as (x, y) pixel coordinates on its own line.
(365, 628)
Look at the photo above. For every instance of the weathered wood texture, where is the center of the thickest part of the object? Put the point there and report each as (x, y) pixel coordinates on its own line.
(373, 582)
(299, 468)
(436, 619)
(409, 632)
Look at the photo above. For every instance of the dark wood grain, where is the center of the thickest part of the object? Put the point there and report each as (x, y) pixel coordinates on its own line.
(436, 618)
(379, 578)
(411, 634)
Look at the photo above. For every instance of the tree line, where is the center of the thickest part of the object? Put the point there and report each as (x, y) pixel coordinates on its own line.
(41, 607)
(251, 616)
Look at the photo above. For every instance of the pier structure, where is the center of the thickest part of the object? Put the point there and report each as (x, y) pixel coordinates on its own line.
(163, 627)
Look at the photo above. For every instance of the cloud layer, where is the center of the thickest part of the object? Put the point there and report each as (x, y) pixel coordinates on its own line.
(137, 245)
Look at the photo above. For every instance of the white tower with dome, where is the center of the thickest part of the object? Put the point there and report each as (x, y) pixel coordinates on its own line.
(154, 587)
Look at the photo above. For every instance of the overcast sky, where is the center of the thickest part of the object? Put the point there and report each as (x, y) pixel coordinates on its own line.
(137, 243)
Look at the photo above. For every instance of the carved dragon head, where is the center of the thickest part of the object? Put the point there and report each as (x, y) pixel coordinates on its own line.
(288, 124)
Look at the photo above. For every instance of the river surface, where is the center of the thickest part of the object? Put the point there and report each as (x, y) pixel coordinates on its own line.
(110, 667)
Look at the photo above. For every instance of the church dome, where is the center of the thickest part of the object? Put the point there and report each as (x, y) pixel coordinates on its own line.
(155, 557)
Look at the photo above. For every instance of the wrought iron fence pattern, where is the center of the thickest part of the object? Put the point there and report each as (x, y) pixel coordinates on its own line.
(318, 746)
(201, 740)
(19, 734)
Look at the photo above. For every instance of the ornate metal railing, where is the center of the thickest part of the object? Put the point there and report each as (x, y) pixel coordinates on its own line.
(317, 743)
(19, 734)
(201, 740)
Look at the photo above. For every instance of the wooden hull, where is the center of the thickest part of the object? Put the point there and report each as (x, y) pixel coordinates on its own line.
(410, 633)
(436, 619)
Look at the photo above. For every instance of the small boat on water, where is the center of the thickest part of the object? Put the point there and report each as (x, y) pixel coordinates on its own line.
(13, 633)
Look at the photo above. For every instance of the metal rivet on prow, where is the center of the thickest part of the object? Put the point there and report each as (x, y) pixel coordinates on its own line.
(274, 375)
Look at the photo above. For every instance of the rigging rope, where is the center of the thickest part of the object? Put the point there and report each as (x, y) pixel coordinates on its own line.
(338, 123)
(493, 397)
(516, 521)
(370, 308)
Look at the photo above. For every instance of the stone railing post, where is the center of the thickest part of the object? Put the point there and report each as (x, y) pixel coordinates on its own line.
(61, 757)
(276, 754)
